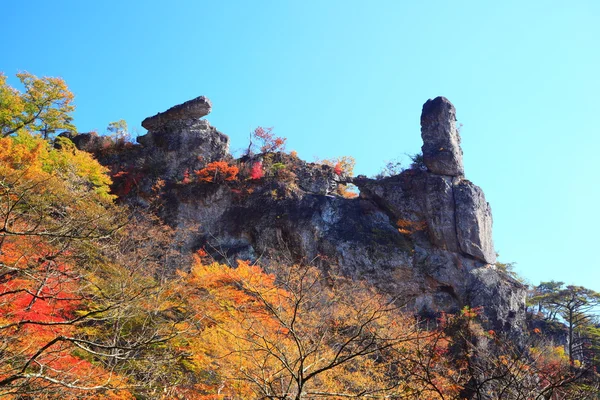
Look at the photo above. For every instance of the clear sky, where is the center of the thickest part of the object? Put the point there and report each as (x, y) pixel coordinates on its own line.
(344, 77)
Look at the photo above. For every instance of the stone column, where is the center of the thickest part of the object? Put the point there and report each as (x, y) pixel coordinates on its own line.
(441, 141)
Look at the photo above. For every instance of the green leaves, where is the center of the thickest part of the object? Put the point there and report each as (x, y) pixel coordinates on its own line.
(44, 107)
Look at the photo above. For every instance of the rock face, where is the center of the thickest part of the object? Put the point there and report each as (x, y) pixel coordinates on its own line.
(185, 144)
(441, 141)
(180, 141)
(440, 212)
(191, 109)
(424, 235)
(88, 141)
(473, 221)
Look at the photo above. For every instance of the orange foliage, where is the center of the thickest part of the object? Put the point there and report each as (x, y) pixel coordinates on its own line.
(39, 301)
(50, 200)
(270, 142)
(343, 191)
(252, 324)
(338, 168)
(341, 165)
(407, 227)
(471, 312)
(217, 171)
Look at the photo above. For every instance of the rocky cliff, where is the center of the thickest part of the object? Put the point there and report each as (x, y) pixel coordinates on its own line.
(424, 235)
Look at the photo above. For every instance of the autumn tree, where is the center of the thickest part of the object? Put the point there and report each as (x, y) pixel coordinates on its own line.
(52, 204)
(73, 316)
(305, 334)
(343, 165)
(344, 168)
(217, 171)
(496, 365)
(264, 140)
(44, 107)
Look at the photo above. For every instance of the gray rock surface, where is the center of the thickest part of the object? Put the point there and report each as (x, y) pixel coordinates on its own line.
(441, 141)
(502, 297)
(186, 144)
(177, 140)
(191, 109)
(474, 221)
(359, 238)
(440, 212)
(318, 179)
(456, 214)
(89, 141)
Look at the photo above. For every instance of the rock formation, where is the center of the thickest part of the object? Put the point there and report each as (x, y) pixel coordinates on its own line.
(180, 140)
(441, 141)
(193, 109)
(424, 235)
(473, 221)
(457, 216)
(177, 141)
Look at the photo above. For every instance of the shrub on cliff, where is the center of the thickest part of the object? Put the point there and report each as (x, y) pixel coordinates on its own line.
(217, 171)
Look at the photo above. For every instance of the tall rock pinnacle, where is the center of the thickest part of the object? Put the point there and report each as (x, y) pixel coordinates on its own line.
(441, 141)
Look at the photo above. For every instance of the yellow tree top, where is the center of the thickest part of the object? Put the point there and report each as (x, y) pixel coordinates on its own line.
(44, 107)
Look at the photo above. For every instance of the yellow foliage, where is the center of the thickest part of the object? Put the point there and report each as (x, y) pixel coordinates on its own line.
(45, 106)
(54, 204)
(31, 158)
(262, 335)
(343, 191)
(343, 165)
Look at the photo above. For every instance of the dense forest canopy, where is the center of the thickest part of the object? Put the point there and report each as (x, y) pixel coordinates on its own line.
(88, 308)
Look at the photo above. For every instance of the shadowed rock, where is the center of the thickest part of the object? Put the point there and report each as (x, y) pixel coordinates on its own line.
(474, 222)
(192, 109)
(441, 141)
(88, 141)
(439, 211)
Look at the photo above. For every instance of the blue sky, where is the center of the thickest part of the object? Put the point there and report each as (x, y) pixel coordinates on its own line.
(344, 77)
